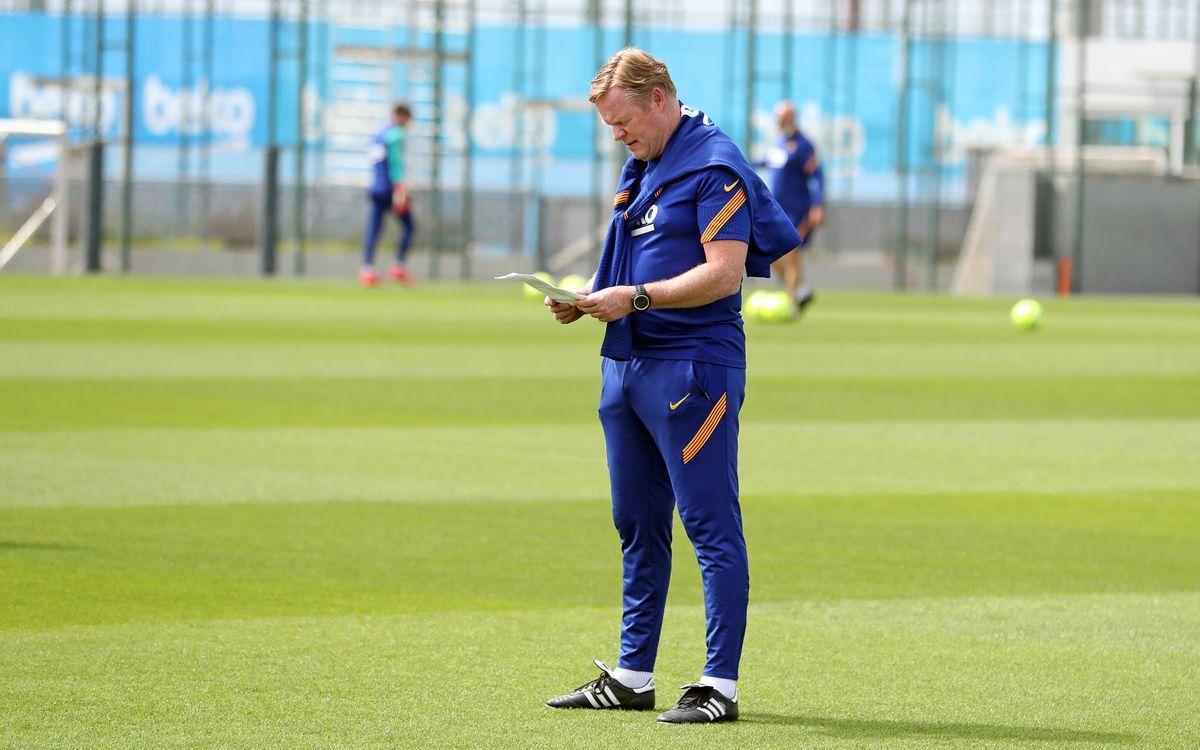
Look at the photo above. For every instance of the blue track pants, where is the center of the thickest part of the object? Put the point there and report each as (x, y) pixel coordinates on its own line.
(671, 433)
(381, 205)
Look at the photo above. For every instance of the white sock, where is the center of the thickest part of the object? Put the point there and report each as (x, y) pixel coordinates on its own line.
(727, 688)
(804, 291)
(631, 679)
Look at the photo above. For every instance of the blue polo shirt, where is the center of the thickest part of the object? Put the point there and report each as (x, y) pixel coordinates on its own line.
(667, 240)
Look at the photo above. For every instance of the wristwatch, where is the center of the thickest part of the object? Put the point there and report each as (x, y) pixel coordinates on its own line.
(641, 300)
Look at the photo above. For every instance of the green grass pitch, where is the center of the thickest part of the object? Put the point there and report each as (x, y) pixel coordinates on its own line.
(305, 515)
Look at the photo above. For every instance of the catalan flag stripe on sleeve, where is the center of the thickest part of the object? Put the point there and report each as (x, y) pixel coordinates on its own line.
(718, 221)
(620, 198)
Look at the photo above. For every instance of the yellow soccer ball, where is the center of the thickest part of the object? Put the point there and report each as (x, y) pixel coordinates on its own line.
(1026, 314)
(572, 282)
(531, 293)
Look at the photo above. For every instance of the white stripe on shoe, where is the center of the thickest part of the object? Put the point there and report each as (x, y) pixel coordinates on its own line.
(603, 701)
(712, 715)
(719, 706)
(591, 698)
(608, 691)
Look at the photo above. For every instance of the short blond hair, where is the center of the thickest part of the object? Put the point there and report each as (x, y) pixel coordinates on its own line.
(637, 72)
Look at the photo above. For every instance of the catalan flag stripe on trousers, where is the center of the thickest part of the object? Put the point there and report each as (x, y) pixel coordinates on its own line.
(661, 457)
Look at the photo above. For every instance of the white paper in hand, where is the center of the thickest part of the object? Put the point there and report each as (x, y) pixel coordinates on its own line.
(553, 292)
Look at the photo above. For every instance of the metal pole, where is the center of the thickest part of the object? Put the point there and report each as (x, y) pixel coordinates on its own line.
(1189, 124)
(628, 23)
(301, 141)
(937, 68)
(92, 259)
(1083, 9)
(95, 222)
(270, 227)
(830, 103)
(751, 39)
(539, 175)
(316, 227)
(901, 259)
(60, 229)
(435, 176)
(517, 165)
(1192, 90)
(98, 73)
(1052, 75)
(729, 58)
(826, 133)
(206, 123)
(64, 41)
(596, 11)
(3, 185)
(1191, 148)
(127, 154)
(789, 30)
(468, 189)
(187, 93)
(1023, 23)
(60, 217)
(1050, 116)
(849, 106)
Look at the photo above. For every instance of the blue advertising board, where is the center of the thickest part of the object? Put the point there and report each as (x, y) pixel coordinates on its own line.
(993, 93)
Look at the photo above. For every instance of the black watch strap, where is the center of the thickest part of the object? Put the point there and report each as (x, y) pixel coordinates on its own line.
(641, 300)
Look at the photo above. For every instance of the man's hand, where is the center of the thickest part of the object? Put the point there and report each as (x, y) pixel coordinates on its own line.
(564, 312)
(399, 198)
(608, 304)
(814, 219)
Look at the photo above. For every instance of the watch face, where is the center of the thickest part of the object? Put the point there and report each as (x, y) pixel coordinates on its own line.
(641, 302)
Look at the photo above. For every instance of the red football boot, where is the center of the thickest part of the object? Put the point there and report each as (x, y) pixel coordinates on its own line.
(401, 274)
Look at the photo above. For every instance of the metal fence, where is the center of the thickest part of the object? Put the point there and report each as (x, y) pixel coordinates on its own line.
(506, 155)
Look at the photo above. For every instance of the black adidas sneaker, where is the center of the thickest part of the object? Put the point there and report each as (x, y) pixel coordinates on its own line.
(701, 704)
(606, 692)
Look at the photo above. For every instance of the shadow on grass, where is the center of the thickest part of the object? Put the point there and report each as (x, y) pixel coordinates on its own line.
(868, 728)
(4, 546)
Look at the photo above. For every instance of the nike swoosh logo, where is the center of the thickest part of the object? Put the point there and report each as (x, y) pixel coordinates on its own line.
(675, 405)
(730, 186)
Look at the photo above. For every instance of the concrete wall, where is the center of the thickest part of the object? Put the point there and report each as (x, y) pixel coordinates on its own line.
(501, 220)
(1141, 236)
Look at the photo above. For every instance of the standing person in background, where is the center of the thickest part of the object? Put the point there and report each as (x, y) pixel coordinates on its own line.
(388, 193)
(799, 185)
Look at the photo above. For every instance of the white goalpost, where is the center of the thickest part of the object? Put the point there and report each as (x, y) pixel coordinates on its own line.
(51, 133)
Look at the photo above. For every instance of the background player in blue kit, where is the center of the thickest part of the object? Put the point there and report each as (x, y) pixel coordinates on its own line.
(798, 184)
(388, 194)
(690, 216)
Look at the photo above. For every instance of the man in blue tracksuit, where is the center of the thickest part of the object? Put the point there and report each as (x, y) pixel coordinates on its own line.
(798, 184)
(690, 216)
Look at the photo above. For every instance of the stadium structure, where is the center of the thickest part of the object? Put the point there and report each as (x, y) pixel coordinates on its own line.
(978, 146)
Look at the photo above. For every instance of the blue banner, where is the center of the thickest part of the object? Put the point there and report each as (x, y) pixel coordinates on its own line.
(846, 89)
